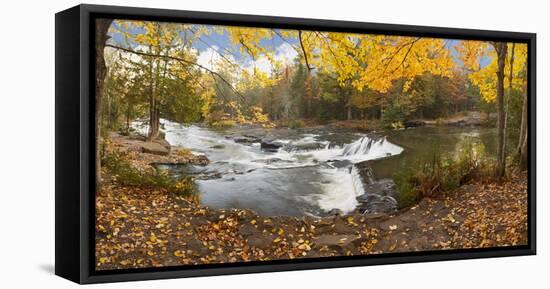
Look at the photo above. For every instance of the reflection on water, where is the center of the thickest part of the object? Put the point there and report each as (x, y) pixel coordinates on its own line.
(422, 143)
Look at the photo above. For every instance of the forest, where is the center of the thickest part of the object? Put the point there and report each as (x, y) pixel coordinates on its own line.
(206, 93)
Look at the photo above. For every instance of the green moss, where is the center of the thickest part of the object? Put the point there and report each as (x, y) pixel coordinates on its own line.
(122, 171)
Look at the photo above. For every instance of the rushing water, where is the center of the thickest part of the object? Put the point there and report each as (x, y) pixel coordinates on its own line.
(312, 173)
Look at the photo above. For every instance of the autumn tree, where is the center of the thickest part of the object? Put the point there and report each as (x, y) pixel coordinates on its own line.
(492, 79)
(101, 27)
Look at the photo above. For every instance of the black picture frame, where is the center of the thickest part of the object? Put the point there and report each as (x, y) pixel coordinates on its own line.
(74, 155)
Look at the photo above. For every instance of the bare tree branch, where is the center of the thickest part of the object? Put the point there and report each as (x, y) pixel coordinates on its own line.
(304, 50)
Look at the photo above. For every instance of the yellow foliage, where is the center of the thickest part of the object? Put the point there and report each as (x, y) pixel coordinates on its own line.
(473, 53)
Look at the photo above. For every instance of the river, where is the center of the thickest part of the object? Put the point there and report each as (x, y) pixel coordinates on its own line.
(312, 172)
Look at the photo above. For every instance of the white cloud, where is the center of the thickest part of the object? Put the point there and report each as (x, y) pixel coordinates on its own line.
(262, 64)
(284, 53)
(209, 57)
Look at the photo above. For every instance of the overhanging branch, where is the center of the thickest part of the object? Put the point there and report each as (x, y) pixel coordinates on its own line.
(304, 50)
(182, 60)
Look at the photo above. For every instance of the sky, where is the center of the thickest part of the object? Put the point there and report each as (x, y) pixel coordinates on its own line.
(210, 47)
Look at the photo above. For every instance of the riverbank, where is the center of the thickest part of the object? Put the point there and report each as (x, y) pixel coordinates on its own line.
(142, 154)
(462, 119)
(138, 227)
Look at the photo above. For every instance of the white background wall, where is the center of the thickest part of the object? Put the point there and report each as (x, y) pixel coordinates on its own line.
(27, 143)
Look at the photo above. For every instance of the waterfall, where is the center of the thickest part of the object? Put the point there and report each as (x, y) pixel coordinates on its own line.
(311, 172)
(361, 146)
(367, 148)
(358, 183)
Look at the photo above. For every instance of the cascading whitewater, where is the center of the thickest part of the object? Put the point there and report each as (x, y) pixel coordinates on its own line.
(358, 182)
(367, 148)
(297, 179)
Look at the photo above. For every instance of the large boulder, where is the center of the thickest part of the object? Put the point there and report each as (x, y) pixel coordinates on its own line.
(155, 148)
(163, 143)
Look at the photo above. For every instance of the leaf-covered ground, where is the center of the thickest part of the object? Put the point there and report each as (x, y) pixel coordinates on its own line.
(140, 227)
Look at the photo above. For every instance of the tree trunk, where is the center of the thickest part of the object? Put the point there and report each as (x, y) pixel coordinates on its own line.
(101, 37)
(349, 115)
(522, 143)
(522, 148)
(153, 106)
(523, 126)
(523, 157)
(128, 115)
(501, 49)
(510, 87)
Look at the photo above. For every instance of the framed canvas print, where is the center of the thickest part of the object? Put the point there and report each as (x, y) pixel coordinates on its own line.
(194, 144)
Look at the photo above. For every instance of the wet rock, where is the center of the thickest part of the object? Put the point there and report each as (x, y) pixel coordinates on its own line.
(304, 147)
(270, 146)
(208, 176)
(272, 160)
(380, 195)
(380, 188)
(366, 198)
(365, 172)
(340, 163)
(379, 204)
(218, 146)
(384, 187)
(246, 139)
